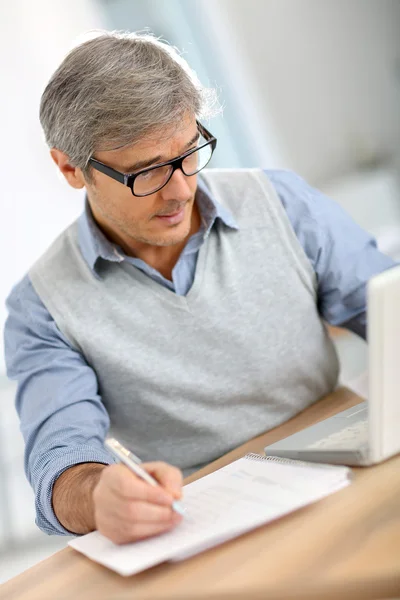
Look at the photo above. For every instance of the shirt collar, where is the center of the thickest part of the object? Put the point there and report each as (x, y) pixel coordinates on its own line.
(94, 244)
(92, 241)
(210, 209)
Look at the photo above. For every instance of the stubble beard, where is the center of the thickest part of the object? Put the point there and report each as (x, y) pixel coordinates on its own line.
(136, 235)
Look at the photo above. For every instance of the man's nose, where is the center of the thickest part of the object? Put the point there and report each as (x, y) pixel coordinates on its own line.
(177, 187)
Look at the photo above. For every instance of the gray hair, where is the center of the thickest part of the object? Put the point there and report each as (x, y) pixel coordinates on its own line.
(115, 89)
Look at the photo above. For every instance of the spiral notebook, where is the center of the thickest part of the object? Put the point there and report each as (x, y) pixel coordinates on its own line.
(245, 494)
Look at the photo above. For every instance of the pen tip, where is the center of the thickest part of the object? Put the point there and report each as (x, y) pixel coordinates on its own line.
(178, 507)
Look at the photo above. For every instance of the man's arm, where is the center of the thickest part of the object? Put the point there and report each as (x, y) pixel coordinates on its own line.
(343, 255)
(72, 497)
(116, 502)
(64, 424)
(63, 419)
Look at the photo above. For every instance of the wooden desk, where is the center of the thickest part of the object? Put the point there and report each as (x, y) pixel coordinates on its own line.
(345, 546)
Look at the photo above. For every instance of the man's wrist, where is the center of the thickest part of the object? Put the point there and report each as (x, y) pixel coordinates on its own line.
(72, 497)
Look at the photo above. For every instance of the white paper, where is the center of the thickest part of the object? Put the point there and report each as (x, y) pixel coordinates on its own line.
(220, 506)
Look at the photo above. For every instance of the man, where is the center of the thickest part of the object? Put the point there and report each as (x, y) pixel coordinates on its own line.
(183, 309)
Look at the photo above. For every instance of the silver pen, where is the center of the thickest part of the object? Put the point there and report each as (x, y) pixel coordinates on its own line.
(132, 462)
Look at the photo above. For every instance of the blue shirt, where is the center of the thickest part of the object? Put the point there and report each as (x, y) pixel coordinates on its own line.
(63, 420)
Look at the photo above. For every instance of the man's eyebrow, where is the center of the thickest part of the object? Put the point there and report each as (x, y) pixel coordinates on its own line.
(157, 159)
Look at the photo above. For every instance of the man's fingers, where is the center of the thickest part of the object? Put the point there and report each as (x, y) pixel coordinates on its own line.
(127, 509)
(135, 511)
(169, 477)
(123, 533)
(123, 483)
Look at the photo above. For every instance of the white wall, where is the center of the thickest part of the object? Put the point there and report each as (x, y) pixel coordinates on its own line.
(326, 71)
(35, 204)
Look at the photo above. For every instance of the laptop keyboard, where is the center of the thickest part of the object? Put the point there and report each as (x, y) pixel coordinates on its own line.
(354, 436)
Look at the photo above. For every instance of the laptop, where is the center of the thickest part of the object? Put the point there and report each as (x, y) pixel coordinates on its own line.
(367, 433)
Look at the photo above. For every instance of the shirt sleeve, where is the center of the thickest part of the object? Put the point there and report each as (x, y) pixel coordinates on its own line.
(63, 420)
(343, 255)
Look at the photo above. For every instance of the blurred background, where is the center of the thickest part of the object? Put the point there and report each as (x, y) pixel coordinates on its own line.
(307, 85)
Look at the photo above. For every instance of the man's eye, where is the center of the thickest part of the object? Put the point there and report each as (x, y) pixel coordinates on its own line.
(147, 175)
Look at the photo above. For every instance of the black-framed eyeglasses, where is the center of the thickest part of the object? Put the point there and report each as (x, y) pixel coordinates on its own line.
(150, 180)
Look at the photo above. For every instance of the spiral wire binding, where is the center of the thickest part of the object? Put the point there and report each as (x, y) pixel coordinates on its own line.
(289, 461)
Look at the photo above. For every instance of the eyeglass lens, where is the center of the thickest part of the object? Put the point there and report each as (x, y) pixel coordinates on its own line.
(151, 181)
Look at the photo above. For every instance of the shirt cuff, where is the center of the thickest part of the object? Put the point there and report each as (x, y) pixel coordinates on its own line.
(46, 519)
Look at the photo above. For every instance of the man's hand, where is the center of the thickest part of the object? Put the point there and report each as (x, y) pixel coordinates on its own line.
(127, 509)
(115, 501)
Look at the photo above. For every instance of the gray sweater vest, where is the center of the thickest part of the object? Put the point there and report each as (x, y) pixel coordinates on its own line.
(185, 379)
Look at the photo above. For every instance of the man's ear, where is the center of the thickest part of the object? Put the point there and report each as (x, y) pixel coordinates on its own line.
(73, 175)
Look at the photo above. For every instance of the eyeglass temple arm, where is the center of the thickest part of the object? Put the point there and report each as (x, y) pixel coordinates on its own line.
(204, 132)
(99, 166)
